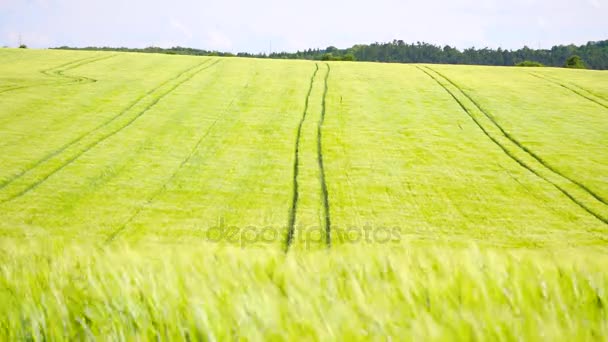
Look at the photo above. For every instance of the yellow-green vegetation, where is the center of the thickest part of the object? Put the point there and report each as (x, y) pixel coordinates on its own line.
(150, 196)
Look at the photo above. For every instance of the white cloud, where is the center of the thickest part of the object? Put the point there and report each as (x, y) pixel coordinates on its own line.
(241, 25)
(181, 28)
(216, 40)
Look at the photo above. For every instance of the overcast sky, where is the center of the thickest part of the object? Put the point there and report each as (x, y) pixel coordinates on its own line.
(252, 26)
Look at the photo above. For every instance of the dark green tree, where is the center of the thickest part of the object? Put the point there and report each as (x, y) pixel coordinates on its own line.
(575, 62)
(331, 49)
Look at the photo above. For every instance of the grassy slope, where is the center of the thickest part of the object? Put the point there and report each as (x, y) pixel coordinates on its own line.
(402, 153)
(569, 134)
(108, 192)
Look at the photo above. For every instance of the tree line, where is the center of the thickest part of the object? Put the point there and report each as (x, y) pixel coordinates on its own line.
(594, 54)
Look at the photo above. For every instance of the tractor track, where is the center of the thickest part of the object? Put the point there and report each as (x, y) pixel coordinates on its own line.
(592, 92)
(571, 89)
(112, 133)
(75, 78)
(58, 71)
(294, 201)
(320, 161)
(508, 153)
(102, 125)
(520, 145)
(47, 72)
(183, 163)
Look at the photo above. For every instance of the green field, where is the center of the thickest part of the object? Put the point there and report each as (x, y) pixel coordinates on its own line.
(152, 196)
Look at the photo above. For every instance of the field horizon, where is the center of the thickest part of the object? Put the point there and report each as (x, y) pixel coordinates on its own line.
(152, 196)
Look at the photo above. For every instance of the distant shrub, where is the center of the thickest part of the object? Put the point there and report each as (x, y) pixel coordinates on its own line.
(327, 57)
(332, 57)
(348, 57)
(23, 46)
(575, 62)
(529, 64)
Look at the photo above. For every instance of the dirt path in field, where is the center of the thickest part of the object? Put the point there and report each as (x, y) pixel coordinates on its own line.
(577, 92)
(104, 135)
(58, 72)
(526, 151)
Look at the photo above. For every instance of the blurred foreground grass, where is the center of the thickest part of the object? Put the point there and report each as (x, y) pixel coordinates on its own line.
(63, 290)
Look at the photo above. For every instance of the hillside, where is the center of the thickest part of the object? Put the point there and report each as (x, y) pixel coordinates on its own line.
(212, 198)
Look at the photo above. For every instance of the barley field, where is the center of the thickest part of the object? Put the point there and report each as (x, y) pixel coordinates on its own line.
(148, 196)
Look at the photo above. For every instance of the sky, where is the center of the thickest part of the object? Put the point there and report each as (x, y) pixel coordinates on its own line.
(284, 25)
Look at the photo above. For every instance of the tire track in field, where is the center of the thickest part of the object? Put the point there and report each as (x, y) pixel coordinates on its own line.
(571, 89)
(75, 78)
(520, 145)
(592, 92)
(47, 72)
(163, 187)
(71, 143)
(57, 71)
(511, 155)
(294, 201)
(320, 160)
(115, 131)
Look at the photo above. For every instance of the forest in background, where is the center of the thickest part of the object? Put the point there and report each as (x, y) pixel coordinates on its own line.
(593, 54)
